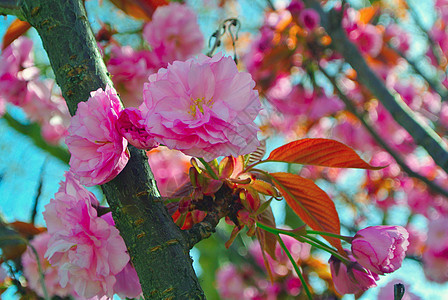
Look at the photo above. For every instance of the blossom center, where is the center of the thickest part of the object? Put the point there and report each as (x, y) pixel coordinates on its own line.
(198, 105)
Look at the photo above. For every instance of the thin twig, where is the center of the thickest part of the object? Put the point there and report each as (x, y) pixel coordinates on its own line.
(421, 132)
(435, 86)
(351, 107)
(435, 48)
(39, 191)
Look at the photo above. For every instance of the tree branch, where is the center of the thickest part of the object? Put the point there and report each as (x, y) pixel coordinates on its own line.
(350, 107)
(435, 86)
(423, 134)
(33, 132)
(155, 244)
(220, 206)
(11, 7)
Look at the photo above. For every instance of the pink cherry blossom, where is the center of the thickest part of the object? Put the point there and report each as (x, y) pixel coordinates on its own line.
(170, 169)
(130, 70)
(98, 150)
(417, 241)
(437, 234)
(380, 249)
(351, 279)
(281, 266)
(203, 107)
(368, 38)
(87, 249)
(435, 265)
(48, 109)
(399, 38)
(309, 18)
(173, 33)
(351, 132)
(128, 283)
(130, 126)
(230, 283)
(16, 70)
(31, 270)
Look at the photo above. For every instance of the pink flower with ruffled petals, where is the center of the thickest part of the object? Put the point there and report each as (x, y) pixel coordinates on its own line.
(203, 107)
(128, 283)
(351, 279)
(31, 270)
(130, 126)
(173, 33)
(130, 70)
(87, 249)
(98, 150)
(381, 249)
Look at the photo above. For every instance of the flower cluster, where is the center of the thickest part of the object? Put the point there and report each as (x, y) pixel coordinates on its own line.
(31, 270)
(98, 150)
(21, 86)
(203, 107)
(87, 249)
(172, 34)
(207, 115)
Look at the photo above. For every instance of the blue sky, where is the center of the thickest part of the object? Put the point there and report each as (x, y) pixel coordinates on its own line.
(21, 165)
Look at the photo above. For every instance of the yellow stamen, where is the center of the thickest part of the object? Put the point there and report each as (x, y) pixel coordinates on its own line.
(198, 104)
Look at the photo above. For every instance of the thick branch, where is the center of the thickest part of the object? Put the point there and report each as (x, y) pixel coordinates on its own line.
(156, 245)
(10, 7)
(423, 134)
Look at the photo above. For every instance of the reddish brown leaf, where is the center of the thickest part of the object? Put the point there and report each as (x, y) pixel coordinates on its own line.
(310, 203)
(139, 9)
(16, 29)
(320, 152)
(26, 229)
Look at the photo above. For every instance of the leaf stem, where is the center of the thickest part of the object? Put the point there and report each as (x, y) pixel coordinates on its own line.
(296, 267)
(318, 244)
(39, 265)
(348, 239)
(273, 230)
